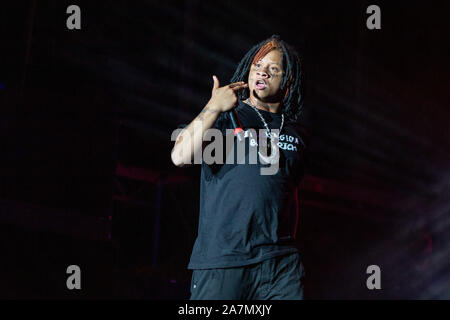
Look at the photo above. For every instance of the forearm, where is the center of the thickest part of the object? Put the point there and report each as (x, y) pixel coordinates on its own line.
(190, 140)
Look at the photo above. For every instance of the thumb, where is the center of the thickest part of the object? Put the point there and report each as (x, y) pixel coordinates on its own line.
(216, 83)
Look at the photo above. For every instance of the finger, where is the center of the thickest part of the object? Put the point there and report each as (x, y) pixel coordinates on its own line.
(232, 85)
(216, 83)
(240, 87)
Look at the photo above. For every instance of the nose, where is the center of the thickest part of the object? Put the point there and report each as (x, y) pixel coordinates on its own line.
(262, 73)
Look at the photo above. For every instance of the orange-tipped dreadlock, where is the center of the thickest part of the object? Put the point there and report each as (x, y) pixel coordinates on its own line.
(265, 49)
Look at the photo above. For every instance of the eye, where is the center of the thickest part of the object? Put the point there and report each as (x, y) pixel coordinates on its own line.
(274, 69)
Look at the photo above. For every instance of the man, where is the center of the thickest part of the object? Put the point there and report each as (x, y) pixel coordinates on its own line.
(245, 248)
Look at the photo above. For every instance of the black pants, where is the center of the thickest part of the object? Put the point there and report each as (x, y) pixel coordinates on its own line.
(279, 278)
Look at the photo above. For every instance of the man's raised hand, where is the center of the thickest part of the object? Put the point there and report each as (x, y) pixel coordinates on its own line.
(225, 98)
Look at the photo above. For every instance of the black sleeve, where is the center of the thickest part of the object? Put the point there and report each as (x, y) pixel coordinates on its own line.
(303, 134)
(305, 141)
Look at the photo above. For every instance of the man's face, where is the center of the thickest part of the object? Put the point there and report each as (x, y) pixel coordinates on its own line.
(265, 76)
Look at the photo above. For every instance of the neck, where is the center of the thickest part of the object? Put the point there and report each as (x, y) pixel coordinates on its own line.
(274, 107)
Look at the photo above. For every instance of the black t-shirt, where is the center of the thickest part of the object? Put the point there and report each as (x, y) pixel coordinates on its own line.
(246, 217)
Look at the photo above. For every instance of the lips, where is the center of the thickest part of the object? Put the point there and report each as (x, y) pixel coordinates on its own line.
(260, 84)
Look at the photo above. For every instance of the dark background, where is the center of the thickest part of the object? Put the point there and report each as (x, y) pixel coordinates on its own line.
(87, 115)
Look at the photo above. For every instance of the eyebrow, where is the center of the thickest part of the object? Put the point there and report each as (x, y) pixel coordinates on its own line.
(270, 62)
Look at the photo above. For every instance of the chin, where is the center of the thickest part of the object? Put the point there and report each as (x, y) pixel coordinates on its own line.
(262, 95)
(267, 97)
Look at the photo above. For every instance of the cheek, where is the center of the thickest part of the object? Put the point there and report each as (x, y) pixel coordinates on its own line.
(277, 83)
(250, 80)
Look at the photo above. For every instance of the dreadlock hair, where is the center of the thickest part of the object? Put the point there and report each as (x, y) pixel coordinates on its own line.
(291, 84)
